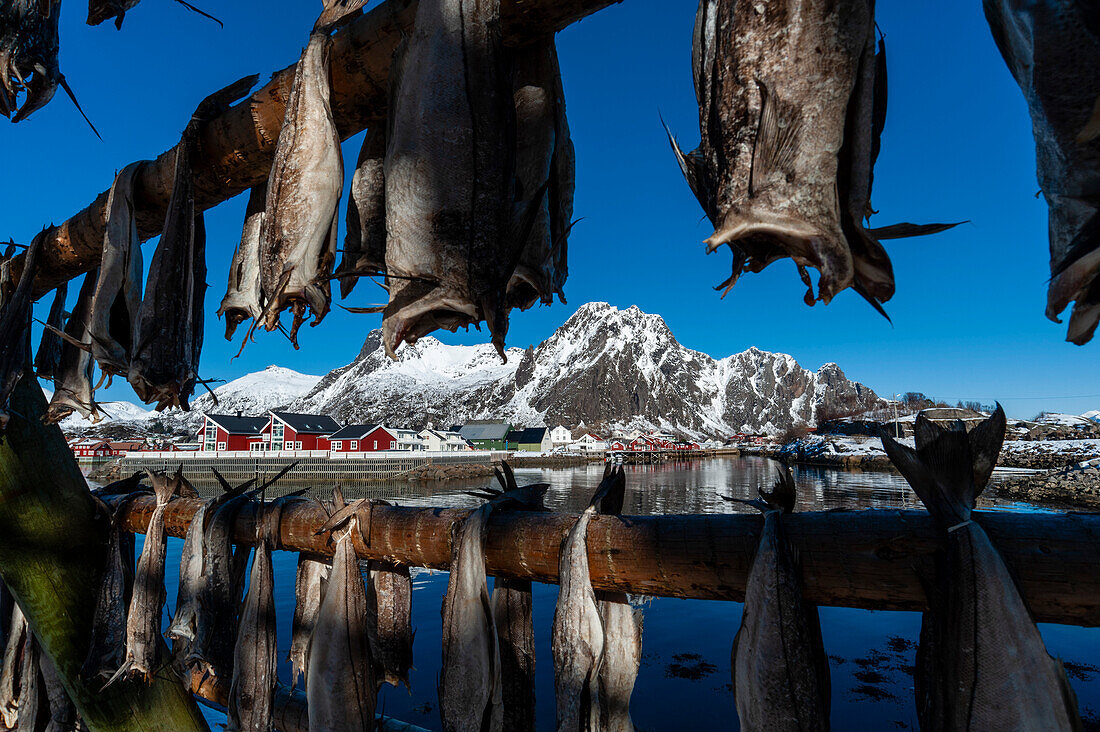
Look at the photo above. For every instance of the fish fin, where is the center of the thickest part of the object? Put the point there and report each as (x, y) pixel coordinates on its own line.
(268, 483)
(224, 98)
(906, 230)
(1069, 696)
(72, 97)
(163, 486)
(365, 310)
(986, 440)
(190, 7)
(611, 488)
(861, 290)
(777, 139)
(336, 13)
(878, 101)
(926, 431)
(698, 177)
(341, 516)
(222, 481)
(940, 473)
(122, 672)
(509, 475)
(783, 493)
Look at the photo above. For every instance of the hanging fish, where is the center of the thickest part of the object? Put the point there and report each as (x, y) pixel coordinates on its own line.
(32, 714)
(512, 609)
(298, 248)
(73, 386)
(470, 693)
(340, 683)
(622, 624)
(365, 240)
(168, 340)
(112, 322)
(577, 634)
(11, 675)
(184, 625)
(453, 233)
(544, 174)
(101, 10)
(147, 602)
(389, 595)
(309, 584)
(63, 716)
(29, 44)
(780, 671)
(48, 358)
(15, 322)
(1062, 91)
(255, 654)
(243, 295)
(981, 663)
(107, 648)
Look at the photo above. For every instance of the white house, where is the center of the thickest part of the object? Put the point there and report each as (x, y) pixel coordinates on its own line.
(589, 442)
(407, 440)
(442, 441)
(560, 436)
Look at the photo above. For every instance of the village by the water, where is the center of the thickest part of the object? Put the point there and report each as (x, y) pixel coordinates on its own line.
(350, 382)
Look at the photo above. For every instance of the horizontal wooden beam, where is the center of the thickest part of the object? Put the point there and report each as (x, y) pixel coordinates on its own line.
(863, 559)
(237, 148)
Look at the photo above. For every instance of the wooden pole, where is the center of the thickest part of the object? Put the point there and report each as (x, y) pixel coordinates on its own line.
(237, 148)
(865, 559)
(52, 552)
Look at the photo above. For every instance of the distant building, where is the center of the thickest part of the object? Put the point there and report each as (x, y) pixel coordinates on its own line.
(290, 431)
(486, 435)
(230, 432)
(125, 447)
(353, 438)
(589, 442)
(532, 439)
(560, 436)
(443, 440)
(92, 448)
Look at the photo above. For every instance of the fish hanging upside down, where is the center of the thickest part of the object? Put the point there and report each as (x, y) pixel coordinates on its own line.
(544, 174)
(470, 697)
(101, 10)
(73, 387)
(365, 239)
(981, 663)
(15, 323)
(390, 594)
(48, 358)
(107, 649)
(168, 339)
(309, 584)
(243, 295)
(11, 675)
(780, 671)
(340, 683)
(112, 322)
(454, 229)
(1052, 48)
(298, 246)
(791, 105)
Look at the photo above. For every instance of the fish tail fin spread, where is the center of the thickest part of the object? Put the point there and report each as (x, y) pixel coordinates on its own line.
(335, 13)
(782, 495)
(223, 98)
(949, 468)
(163, 486)
(696, 174)
(611, 490)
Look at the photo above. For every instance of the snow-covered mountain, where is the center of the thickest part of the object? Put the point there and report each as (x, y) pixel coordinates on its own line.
(604, 367)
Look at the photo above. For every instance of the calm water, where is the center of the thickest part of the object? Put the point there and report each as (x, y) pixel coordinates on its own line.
(685, 674)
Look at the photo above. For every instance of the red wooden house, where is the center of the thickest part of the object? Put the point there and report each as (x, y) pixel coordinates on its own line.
(642, 443)
(230, 432)
(92, 448)
(617, 445)
(289, 431)
(360, 438)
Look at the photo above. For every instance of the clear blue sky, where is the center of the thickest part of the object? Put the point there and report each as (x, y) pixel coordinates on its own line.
(968, 316)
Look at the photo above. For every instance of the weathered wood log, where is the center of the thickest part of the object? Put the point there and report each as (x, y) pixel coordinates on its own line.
(52, 552)
(864, 559)
(236, 149)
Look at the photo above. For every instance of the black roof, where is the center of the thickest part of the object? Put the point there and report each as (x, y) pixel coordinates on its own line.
(319, 424)
(529, 436)
(236, 425)
(353, 432)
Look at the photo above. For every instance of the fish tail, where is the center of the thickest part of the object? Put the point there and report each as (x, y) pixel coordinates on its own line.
(336, 12)
(782, 495)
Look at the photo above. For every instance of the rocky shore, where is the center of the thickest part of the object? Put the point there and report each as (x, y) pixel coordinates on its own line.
(1076, 486)
(463, 471)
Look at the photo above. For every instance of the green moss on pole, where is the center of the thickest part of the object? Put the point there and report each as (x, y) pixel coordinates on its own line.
(52, 552)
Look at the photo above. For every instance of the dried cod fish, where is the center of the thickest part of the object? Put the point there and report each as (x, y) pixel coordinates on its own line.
(243, 294)
(107, 649)
(112, 322)
(340, 683)
(101, 10)
(470, 693)
(577, 634)
(365, 239)
(780, 671)
(981, 663)
(309, 586)
(33, 710)
(73, 389)
(143, 618)
(298, 248)
(63, 716)
(453, 234)
(15, 322)
(48, 358)
(11, 675)
(544, 174)
(255, 660)
(389, 596)
(1062, 89)
(168, 341)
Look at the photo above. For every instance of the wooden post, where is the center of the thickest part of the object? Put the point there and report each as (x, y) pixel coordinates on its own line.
(865, 559)
(52, 551)
(237, 148)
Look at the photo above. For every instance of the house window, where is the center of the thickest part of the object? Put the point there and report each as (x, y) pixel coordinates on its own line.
(211, 432)
(256, 446)
(221, 445)
(337, 445)
(277, 432)
(391, 444)
(376, 444)
(353, 445)
(288, 445)
(297, 446)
